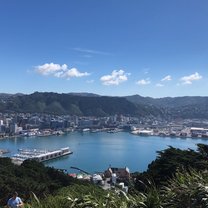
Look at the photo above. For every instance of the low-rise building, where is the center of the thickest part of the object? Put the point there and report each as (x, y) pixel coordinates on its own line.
(121, 173)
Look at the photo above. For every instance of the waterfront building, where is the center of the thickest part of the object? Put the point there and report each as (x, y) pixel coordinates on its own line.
(13, 128)
(2, 128)
(56, 124)
(198, 132)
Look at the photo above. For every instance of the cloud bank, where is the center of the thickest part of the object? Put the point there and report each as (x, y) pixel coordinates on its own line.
(115, 78)
(59, 71)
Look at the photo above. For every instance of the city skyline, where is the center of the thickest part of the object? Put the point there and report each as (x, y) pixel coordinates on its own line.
(116, 48)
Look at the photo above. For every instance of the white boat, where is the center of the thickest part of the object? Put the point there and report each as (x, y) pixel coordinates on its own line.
(85, 130)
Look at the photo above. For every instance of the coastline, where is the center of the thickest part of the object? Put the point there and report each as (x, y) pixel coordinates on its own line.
(107, 130)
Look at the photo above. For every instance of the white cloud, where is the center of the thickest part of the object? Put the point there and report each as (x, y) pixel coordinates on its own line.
(59, 71)
(73, 72)
(143, 82)
(47, 69)
(159, 85)
(90, 51)
(115, 78)
(189, 79)
(166, 78)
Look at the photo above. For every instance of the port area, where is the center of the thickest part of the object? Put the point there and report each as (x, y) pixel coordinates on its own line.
(39, 155)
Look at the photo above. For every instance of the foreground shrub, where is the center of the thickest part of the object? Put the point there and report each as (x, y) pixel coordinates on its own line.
(186, 189)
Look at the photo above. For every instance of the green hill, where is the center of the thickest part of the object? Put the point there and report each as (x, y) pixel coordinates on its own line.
(189, 107)
(88, 104)
(74, 104)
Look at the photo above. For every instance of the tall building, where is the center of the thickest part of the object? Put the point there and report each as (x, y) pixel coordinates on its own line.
(13, 128)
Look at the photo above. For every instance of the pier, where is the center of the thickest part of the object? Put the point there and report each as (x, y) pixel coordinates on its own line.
(39, 155)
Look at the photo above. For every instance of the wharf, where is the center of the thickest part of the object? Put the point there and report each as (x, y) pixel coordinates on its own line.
(39, 155)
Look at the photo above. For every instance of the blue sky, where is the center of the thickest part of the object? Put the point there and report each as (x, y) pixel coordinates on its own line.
(153, 48)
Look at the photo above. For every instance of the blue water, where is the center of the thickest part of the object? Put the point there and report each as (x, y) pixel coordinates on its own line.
(96, 151)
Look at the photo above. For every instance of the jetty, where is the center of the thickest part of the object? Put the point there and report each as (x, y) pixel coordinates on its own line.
(39, 155)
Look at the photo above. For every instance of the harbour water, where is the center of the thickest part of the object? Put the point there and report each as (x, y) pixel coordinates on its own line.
(94, 152)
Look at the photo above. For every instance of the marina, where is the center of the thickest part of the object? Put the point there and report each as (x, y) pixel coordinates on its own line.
(39, 155)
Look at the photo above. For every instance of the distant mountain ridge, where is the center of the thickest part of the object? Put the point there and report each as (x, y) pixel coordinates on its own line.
(85, 94)
(5, 96)
(176, 107)
(89, 104)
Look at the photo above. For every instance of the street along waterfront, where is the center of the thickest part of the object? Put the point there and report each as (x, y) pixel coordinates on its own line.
(94, 152)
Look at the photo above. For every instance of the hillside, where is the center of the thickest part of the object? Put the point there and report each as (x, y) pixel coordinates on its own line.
(74, 105)
(88, 104)
(177, 107)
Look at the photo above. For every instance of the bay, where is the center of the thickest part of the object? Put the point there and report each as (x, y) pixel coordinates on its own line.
(94, 152)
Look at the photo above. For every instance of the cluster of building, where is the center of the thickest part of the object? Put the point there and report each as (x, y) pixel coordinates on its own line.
(27, 124)
(184, 128)
(111, 178)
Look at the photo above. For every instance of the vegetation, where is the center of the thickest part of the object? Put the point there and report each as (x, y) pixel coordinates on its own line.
(175, 107)
(86, 196)
(186, 189)
(169, 161)
(176, 179)
(30, 176)
(87, 104)
(74, 104)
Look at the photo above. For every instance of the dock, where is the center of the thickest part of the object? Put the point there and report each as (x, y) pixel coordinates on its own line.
(39, 155)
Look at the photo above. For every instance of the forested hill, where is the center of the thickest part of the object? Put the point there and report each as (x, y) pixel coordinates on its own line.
(74, 104)
(87, 104)
(176, 107)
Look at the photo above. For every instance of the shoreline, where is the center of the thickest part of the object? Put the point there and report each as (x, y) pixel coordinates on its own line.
(106, 131)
